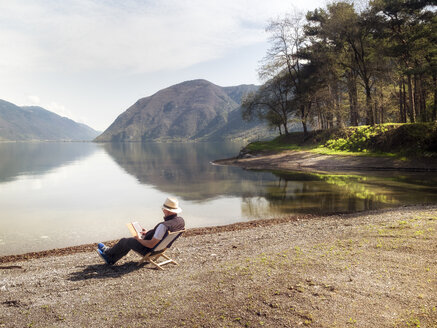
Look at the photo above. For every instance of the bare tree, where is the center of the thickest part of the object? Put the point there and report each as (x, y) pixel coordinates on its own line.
(283, 71)
(286, 39)
(271, 103)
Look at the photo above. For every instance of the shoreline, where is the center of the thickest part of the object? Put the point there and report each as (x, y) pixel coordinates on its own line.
(83, 248)
(201, 231)
(292, 160)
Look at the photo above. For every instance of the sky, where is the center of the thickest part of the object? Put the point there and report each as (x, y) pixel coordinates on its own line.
(90, 60)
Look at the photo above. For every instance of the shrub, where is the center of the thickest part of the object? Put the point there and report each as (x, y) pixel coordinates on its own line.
(359, 139)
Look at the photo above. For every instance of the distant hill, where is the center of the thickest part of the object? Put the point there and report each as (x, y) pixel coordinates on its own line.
(36, 123)
(237, 93)
(192, 110)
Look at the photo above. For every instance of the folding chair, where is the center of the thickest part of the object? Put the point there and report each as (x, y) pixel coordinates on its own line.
(159, 250)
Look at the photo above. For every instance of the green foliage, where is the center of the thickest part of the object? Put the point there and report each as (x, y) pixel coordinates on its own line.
(359, 139)
(352, 66)
(402, 140)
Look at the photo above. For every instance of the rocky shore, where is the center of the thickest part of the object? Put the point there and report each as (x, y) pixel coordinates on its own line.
(369, 269)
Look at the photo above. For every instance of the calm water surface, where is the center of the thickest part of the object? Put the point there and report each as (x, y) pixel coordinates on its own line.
(63, 194)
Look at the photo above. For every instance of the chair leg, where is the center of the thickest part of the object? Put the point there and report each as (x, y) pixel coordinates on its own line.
(157, 265)
(169, 260)
(145, 258)
(154, 260)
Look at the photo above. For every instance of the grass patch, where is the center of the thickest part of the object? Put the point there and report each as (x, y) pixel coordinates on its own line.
(328, 151)
(276, 144)
(384, 140)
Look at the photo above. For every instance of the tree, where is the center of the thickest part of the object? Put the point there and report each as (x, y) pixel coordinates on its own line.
(325, 59)
(408, 29)
(349, 66)
(350, 34)
(287, 40)
(271, 103)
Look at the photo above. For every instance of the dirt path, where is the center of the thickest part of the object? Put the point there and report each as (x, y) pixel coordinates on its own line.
(373, 269)
(302, 160)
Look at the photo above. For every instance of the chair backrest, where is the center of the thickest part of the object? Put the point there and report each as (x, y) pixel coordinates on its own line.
(168, 240)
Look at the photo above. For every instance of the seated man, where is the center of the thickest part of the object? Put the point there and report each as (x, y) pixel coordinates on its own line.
(172, 222)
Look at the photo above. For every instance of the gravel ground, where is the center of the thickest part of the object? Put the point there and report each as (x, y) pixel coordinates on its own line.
(370, 269)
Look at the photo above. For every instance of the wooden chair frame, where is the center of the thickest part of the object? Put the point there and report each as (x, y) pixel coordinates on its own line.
(159, 250)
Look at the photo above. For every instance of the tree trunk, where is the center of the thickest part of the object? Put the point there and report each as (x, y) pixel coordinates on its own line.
(285, 129)
(305, 129)
(336, 103)
(339, 117)
(320, 118)
(434, 110)
(323, 121)
(376, 104)
(418, 99)
(422, 97)
(330, 109)
(381, 113)
(402, 116)
(404, 94)
(303, 120)
(381, 109)
(411, 110)
(370, 119)
(353, 98)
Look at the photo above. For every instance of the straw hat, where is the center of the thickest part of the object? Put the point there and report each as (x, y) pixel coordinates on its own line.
(171, 205)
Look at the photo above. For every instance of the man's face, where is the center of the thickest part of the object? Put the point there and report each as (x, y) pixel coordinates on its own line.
(166, 213)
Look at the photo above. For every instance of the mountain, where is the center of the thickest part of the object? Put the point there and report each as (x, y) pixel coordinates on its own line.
(191, 110)
(36, 123)
(237, 93)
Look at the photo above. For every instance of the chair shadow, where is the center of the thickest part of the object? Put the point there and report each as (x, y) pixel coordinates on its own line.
(104, 271)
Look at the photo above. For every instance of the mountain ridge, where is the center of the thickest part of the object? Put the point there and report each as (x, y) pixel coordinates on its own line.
(28, 123)
(190, 110)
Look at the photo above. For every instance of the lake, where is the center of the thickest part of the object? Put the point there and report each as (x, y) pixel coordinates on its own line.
(63, 194)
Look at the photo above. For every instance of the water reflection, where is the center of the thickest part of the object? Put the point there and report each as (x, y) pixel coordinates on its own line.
(185, 170)
(35, 158)
(298, 192)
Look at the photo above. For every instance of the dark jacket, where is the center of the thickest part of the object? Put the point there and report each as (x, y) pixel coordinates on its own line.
(171, 222)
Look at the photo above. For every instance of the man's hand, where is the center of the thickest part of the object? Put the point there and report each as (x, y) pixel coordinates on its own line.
(148, 243)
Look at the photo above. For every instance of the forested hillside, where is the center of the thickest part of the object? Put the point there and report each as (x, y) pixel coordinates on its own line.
(346, 65)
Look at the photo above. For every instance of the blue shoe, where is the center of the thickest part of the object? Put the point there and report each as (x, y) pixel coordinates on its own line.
(104, 257)
(102, 247)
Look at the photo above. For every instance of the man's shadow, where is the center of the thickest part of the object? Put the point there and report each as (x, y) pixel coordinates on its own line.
(104, 271)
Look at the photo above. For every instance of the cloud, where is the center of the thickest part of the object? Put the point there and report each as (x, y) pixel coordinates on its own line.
(34, 100)
(137, 36)
(53, 106)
